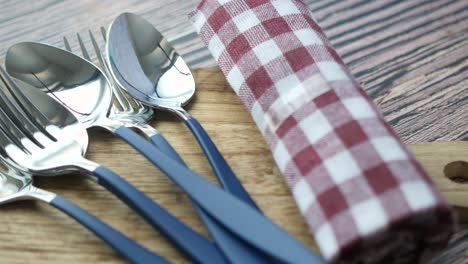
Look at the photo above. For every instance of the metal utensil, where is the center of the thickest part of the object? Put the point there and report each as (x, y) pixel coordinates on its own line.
(17, 185)
(50, 151)
(145, 64)
(125, 108)
(57, 115)
(129, 121)
(235, 250)
(77, 84)
(239, 218)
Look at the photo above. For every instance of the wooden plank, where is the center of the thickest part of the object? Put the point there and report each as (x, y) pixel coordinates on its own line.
(448, 164)
(410, 56)
(32, 232)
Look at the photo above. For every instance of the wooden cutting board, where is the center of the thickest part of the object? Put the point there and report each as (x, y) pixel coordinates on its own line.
(32, 232)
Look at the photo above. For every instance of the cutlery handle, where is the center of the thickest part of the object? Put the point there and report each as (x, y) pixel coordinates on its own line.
(233, 248)
(195, 246)
(240, 218)
(128, 248)
(162, 144)
(221, 168)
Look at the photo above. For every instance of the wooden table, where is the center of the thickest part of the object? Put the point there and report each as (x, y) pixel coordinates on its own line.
(411, 57)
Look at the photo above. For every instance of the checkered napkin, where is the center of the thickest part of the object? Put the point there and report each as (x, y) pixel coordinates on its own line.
(364, 196)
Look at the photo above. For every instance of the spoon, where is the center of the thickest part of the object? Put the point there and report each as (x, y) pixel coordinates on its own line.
(221, 236)
(61, 70)
(89, 79)
(235, 250)
(138, 114)
(140, 58)
(17, 185)
(144, 64)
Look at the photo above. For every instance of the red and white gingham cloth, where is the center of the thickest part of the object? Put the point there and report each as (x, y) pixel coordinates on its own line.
(364, 196)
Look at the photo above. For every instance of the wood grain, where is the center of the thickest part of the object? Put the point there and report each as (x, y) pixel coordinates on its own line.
(437, 158)
(32, 232)
(410, 56)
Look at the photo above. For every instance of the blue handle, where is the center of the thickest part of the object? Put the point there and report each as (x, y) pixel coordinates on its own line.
(195, 246)
(241, 219)
(234, 249)
(128, 248)
(221, 168)
(162, 144)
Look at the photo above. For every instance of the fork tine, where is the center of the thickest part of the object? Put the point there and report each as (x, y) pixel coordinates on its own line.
(99, 55)
(19, 132)
(24, 141)
(19, 109)
(122, 101)
(84, 51)
(67, 44)
(6, 136)
(121, 104)
(103, 33)
(9, 141)
(6, 141)
(18, 101)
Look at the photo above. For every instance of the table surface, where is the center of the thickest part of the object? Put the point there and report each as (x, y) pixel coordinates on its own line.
(410, 56)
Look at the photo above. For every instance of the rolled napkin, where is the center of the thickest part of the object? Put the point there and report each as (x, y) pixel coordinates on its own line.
(363, 194)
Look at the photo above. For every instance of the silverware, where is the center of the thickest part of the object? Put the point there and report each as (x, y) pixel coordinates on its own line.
(241, 219)
(52, 153)
(17, 185)
(235, 250)
(125, 109)
(131, 112)
(145, 64)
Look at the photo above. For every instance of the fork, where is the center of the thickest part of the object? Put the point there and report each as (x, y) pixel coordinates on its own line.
(127, 247)
(61, 153)
(32, 142)
(235, 250)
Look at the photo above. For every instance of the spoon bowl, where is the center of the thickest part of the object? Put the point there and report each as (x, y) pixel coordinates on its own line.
(74, 82)
(135, 49)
